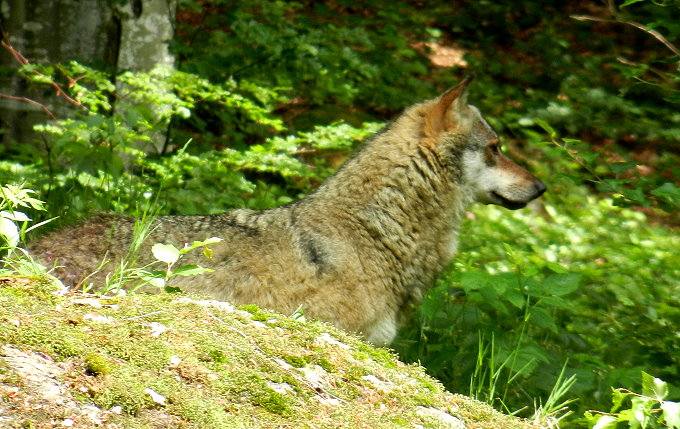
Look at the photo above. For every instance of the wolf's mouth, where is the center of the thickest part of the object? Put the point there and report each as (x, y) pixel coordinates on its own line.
(508, 204)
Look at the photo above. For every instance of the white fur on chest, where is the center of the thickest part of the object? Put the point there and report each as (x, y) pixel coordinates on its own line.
(452, 245)
(383, 331)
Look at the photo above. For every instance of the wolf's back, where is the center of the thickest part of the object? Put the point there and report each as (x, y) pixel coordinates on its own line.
(80, 250)
(279, 259)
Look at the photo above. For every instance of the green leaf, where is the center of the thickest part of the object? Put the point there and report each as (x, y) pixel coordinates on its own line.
(532, 287)
(473, 280)
(156, 274)
(556, 268)
(654, 387)
(39, 78)
(618, 396)
(540, 317)
(491, 297)
(190, 270)
(605, 422)
(668, 191)
(515, 297)
(15, 216)
(9, 230)
(629, 2)
(562, 284)
(546, 127)
(155, 281)
(165, 253)
(39, 224)
(197, 244)
(671, 414)
(641, 408)
(620, 167)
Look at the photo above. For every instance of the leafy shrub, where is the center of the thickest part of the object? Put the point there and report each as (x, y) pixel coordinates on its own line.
(320, 51)
(102, 158)
(650, 409)
(13, 222)
(14, 225)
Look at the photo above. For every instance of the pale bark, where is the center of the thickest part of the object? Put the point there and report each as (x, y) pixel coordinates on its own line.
(146, 31)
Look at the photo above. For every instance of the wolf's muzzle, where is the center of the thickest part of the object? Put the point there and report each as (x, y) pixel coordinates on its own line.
(538, 189)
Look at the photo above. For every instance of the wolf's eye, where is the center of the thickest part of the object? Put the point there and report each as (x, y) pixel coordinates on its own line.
(495, 148)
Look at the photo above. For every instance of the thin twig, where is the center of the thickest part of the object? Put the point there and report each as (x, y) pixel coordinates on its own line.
(660, 74)
(302, 151)
(23, 61)
(191, 331)
(144, 315)
(637, 25)
(28, 100)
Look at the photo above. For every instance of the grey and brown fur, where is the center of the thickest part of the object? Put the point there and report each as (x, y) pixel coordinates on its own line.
(357, 252)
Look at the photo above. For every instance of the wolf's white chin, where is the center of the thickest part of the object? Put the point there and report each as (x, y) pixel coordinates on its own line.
(500, 200)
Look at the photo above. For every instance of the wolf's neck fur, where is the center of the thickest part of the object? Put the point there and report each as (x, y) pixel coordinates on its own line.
(399, 193)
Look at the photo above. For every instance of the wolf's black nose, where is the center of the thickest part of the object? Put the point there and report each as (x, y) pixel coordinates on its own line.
(539, 187)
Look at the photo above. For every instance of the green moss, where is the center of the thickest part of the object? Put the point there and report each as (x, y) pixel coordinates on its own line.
(429, 385)
(400, 422)
(109, 300)
(202, 412)
(250, 308)
(124, 387)
(217, 356)
(8, 376)
(136, 345)
(34, 286)
(360, 355)
(296, 361)
(256, 313)
(325, 364)
(355, 374)
(273, 402)
(96, 364)
(382, 356)
(228, 367)
(66, 346)
(255, 388)
(422, 399)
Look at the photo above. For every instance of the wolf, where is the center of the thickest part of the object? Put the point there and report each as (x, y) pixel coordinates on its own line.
(360, 250)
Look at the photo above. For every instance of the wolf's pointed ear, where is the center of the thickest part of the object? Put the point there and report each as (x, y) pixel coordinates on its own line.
(454, 100)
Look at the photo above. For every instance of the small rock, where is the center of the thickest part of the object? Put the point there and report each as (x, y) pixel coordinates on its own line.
(449, 421)
(327, 339)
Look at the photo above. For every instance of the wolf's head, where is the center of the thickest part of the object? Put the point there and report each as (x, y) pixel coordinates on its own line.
(472, 152)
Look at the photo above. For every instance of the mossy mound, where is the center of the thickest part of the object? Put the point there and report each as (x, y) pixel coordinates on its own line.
(176, 361)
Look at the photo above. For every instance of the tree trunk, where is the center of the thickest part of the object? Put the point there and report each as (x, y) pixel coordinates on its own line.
(147, 29)
(93, 32)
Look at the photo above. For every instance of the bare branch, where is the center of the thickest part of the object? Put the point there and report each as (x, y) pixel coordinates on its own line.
(660, 74)
(28, 100)
(23, 61)
(639, 26)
